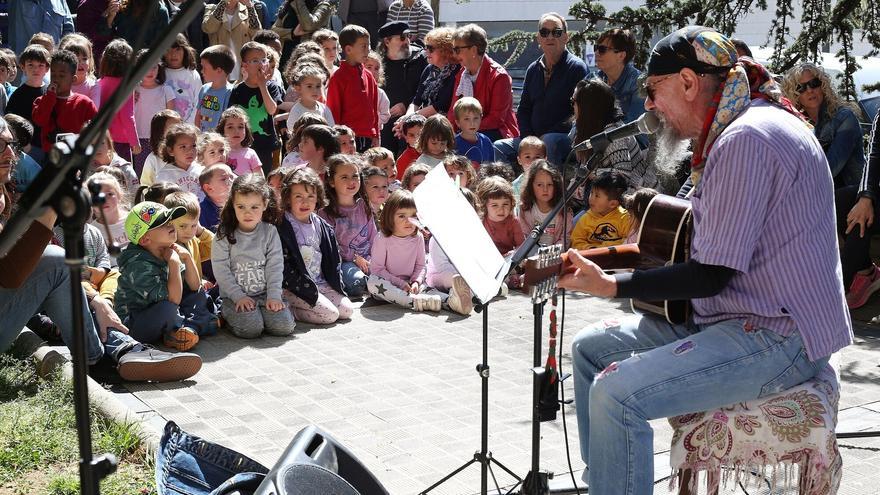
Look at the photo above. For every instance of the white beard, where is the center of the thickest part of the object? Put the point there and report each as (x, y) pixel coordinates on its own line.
(669, 149)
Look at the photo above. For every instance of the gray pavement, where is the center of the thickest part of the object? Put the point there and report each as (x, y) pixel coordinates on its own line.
(400, 390)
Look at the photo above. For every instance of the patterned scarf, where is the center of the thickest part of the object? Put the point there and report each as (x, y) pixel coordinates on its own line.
(435, 80)
(746, 80)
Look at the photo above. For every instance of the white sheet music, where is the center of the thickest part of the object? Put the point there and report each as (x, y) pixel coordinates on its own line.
(459, 231)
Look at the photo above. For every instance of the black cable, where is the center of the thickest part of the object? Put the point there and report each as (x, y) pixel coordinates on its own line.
(562, 396)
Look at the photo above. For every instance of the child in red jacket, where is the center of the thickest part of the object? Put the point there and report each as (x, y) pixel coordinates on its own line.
(59, 110)
(352, 94)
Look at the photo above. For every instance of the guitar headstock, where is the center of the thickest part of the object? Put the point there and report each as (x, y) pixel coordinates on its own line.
(542, 272)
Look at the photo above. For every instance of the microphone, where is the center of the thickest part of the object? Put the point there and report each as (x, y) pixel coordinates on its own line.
(647, 123)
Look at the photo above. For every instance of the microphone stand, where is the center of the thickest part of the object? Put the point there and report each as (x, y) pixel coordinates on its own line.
(59, 184)
(536, 481)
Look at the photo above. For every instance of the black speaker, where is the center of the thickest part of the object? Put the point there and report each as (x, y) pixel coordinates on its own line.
(315, 463)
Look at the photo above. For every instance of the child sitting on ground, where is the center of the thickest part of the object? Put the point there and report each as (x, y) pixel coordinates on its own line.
(212, 149)
(470, 142)
(312, 268)
(543, 189)
(375, 182)
(316, 145)
(436, 141)
(105, 156)
(160, 124)
(178, 150)
(190, 234)
(349, 213)
(114, 211)
(496, 202)
(248, 262)
(345, 138)
(530, 149)
(309, 83)
(159, 294)
(414, 176)
(442, 275)
(606, 222)
(215, 182)
(397, 267)
(460, 170)
(235, 127)
(411, 128)
(293, 160)
(384, 159)
(637, 205)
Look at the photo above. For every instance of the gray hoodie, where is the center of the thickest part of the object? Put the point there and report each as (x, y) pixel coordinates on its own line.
(253, 266)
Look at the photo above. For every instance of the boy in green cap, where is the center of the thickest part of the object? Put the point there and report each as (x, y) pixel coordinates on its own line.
(159, 292)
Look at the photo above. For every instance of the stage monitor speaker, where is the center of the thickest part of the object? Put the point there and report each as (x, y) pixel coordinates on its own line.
(315, 463)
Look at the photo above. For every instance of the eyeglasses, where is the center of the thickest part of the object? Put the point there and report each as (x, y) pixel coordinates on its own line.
(258, 61)
(648, 88)
(603, 49)
(458, 49)
(812, 83)
(11, 144)
(556, 32)
(430, 48)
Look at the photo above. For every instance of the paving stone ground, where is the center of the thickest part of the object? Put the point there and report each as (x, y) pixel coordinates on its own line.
(401, 391)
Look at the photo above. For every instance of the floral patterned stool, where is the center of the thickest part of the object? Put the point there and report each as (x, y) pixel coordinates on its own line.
(762, 440)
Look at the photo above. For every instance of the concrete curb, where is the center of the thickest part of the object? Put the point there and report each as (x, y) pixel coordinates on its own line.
(49, 360)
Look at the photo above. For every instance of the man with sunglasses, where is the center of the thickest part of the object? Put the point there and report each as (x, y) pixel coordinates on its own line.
(763, 276)
(484, 79)
(403, 64)
(545, 108)
(614, 51)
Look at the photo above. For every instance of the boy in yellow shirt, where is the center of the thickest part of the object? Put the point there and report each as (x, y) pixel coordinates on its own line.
(196, 239)
(606, 223)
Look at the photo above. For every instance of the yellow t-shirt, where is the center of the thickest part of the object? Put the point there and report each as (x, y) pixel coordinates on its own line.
(200, 249)
(594, 231)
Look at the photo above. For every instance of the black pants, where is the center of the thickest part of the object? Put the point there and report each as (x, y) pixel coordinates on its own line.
(855, 254)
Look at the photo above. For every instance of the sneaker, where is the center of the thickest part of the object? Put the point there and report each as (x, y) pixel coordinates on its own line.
(460, 296)
(417, 302)
(503, 291)
(182, 339)
(432, 302)
(862, 287)
(153, 365)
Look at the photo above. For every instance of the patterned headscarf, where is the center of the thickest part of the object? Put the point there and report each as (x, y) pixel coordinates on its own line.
(707, 51)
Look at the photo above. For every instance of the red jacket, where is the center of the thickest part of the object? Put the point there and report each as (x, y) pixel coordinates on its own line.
(493, 90)
(71, 114)
(353, 99)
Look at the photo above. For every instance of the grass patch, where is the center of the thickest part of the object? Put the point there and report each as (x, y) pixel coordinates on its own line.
(38, 442)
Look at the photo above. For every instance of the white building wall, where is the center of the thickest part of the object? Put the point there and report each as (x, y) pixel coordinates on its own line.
(753, 29)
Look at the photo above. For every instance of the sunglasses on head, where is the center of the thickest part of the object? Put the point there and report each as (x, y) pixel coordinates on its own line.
(603, 49)
(556, 32)
(812, 83)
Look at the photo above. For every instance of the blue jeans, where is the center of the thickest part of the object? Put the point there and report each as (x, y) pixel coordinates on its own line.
(353, 279)
(558, 147)
(47, 290)
(187, 464)
(642, 368)
(196, 310)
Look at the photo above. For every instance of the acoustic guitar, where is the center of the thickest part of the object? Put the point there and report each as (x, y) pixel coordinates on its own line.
(664, 239)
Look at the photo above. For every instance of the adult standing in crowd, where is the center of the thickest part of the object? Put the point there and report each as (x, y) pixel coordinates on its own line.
(124, 19)
(27, 17)
(437, 80)
(369, 14)
(545, 106)
(297, 20)
(194, 33)
(484, 79)
(835, 123)
(763, 277)
(90, 15)
(858, 208)
(404, 64)
(417, 14)
(35, 278)
(615, 50)
(232, 23)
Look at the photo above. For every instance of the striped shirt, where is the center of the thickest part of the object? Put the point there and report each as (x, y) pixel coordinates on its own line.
(420, 17)
(765, 207)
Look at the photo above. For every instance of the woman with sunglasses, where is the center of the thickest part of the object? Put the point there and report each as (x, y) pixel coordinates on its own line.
(486, 80)
(437, 80)
(614, 51)
(835, 123)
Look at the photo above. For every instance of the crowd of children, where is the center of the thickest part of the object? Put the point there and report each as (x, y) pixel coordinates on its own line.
(218, 226)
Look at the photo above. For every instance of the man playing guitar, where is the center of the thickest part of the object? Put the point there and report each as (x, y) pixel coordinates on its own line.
(764, 274)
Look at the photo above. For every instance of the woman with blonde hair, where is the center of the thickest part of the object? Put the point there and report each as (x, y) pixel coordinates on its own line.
(837, 127)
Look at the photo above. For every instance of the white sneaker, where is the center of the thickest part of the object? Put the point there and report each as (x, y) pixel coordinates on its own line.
(433, 302)
(460, 296)
(418, 302)
(503, 291)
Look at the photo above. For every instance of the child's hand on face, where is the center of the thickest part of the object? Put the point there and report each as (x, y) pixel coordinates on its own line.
(170, 255)
(53, 88)
(182, 253)
(245, 304)
(274, 305)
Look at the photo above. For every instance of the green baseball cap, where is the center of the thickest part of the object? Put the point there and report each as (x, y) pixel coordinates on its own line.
(148, 215)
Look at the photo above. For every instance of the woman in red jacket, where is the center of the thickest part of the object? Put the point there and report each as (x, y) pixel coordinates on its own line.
(485, 80)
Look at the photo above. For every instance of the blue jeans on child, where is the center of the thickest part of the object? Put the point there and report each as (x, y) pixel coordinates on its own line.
(196, 310)
(187, 464)
(558, 147)
(353, 279)
(638, 369)
(47, 290)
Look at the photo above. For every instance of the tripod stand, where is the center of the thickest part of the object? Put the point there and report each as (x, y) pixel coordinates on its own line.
(483, 456)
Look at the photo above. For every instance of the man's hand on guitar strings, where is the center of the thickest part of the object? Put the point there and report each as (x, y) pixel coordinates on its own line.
(583, 275)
